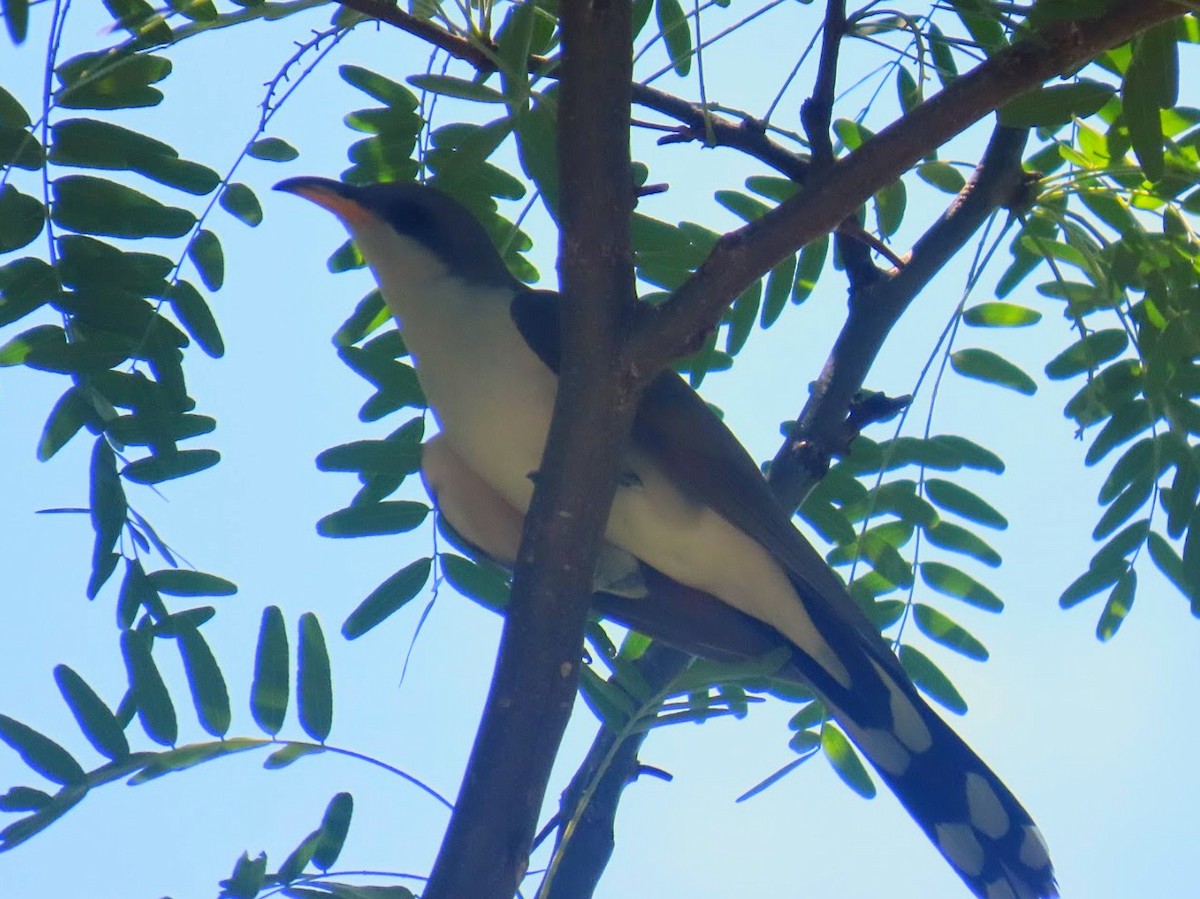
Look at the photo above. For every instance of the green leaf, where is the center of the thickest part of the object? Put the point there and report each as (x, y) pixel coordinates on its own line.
(197, 318)
(1091, 582)
(98, 206)
(41, 753)
(931, 680)
(387, 598)
(452, 86)
(779, 287)
(95, 719)
(486, 584)
(20, 149)
(950, 581)
(392, 517)
(943, 56)
(890, 203)
(185, 582)
(12, 113)
(24, 799)
(314, 686)
(269, 690)
(373, 457)
(66, 418)
(1120, 601)
(941, 629)
(111, 79)
(272, 149)
(1170, 564)
(90, 143)
(209, 693)
(154, 707)
(156, 469)
(183, 757)
(382, 89)
(335, 824)
(247, 878)
(16, 18)
(986, 366)
(908, 91)
(1087, 354)
(809, 267)
(745, 207)
(942, 175)
(293, 866)
(25, 285)
(741, 317)
(846, 762)
(290, 753)
(1132, 499)
(1000, 315)
(208, 257)
(21, 219)
(953, 498)
(241, 202)
(1055, 105)
(137, 593)
(1151, 84)
(673, 25)
(141, 20)
(108, 506)
(952, 537)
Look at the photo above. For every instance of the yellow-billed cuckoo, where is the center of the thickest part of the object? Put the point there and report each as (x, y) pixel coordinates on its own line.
(691, 504)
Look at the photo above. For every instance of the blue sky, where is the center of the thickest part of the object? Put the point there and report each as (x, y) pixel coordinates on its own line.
(1096, 739)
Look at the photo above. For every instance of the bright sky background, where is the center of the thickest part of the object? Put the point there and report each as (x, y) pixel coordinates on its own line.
(1096, 740)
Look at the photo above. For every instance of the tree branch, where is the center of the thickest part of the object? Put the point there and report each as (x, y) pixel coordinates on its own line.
(821, 428)
(484, 854)
(748, 136)
(742, 256)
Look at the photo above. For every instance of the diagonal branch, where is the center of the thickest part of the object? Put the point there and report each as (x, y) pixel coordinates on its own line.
(821, 428)
(744, 255)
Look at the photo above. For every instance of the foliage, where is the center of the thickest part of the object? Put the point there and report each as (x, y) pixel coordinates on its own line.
(112, 246)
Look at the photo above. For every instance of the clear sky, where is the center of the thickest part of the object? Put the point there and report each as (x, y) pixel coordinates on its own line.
(1096, 740)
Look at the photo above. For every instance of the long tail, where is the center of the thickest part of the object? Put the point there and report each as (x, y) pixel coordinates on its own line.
(964, 808)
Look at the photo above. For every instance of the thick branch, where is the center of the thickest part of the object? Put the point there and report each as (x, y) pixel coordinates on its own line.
(821, 427)
(485, 852)
(745, 255)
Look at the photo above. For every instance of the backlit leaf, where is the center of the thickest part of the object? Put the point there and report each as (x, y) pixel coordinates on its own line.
(269, 690)
(941, 629)
(314, 686)
(95, 718)
(846, 762)
(40, 753)
(387, 598)
(986, 366)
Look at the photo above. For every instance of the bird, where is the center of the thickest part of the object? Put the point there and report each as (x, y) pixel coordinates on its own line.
(691, 504)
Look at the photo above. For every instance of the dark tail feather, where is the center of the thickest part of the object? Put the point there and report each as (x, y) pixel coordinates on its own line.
(963, 807)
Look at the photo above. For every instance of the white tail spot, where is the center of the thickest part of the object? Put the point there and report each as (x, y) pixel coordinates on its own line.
(959, 844)
(984, 807)
(906, 718)
(883, 749)
(1000, 889)
(1034, 853)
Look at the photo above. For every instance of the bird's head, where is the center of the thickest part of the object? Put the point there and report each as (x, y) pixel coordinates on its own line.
(409, 228)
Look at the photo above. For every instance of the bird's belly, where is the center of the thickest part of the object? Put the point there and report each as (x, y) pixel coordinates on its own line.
(498, 415)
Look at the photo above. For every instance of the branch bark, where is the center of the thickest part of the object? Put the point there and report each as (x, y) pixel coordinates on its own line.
(485, 851)
(875, 309)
